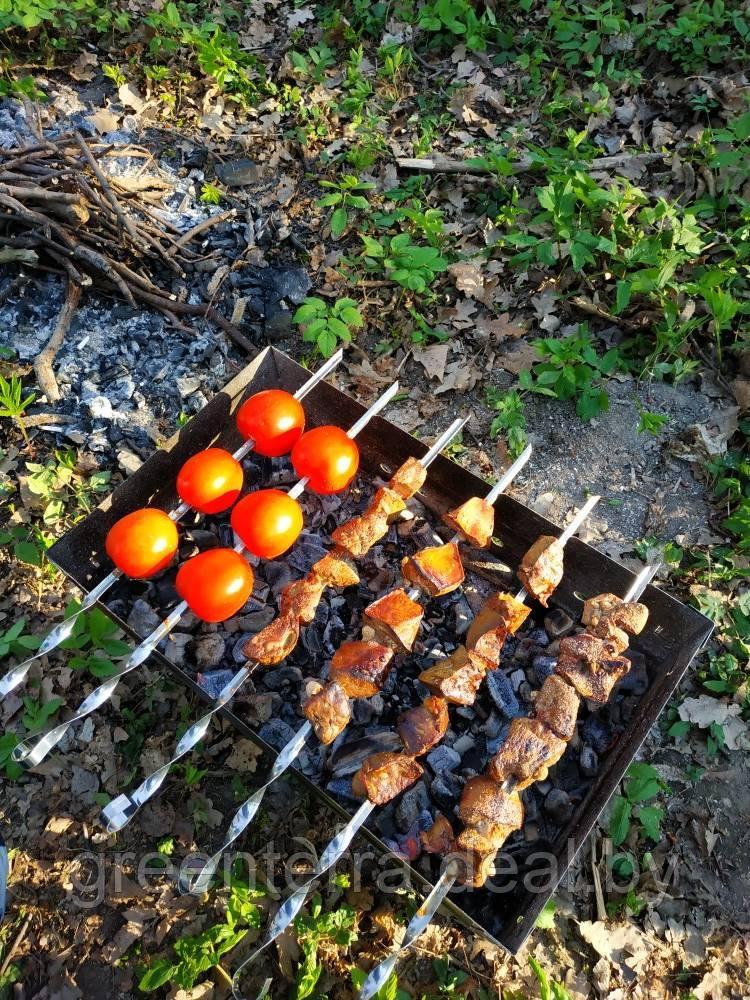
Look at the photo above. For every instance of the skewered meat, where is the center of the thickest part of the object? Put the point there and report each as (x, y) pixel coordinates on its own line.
(457, 677)
(438, 569)
(489, 646)
(275, 642)
(439, 838)
(492, 814)
(423, 726)
(593, 680)
(395, 618)
(337, 569)
(385, 775)
(474, 867)
(499, 609)
(541, 568)
(358, 535)
(597, 607)
(621, 620)
(361, 667)
(300, 598)
(329, 711)
(556, 705)
(529, 750)
(409, 478)
(474, 520)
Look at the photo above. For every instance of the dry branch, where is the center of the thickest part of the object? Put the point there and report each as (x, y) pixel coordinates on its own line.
(45, 376)
(445, 165)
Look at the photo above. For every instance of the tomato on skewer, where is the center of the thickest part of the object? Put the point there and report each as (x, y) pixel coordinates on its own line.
(274, 420)
(142, 543)
(268, 522)
(328, 457)
(215, 583)
(210, 481)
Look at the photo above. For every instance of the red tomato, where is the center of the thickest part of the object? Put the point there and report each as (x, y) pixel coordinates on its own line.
(328, 457)
(268, 522)
(142, 543)
(210, 481)
(215, 583)
(274, 419)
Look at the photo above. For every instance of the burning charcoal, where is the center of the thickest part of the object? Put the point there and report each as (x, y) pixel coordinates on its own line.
(516, 679)
(501, 692)
(142, 618)
(209, 650)
(213, 681)
(341, 788)
(539, 637)
(495, 742)
(464, 743)
(476, 756)
(349, 757)
(443, 759)
(446, 789)
(312, 641)
(278, 575)
(588, 761)
(409, 845)
(558, 806)
(412, 803)
(438, 838)
(598, 733)
(557, 623)
(636, 681)
(274, 680)
(276, 733)
(544, 666)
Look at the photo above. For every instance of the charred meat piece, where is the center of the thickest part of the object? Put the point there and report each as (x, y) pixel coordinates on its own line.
(300, 598)
(593, 680)
(275, 642)
(541, 568)
(474, 520)
(423, 726)
(329, 711)
(337, 569)
(489, 645)
(597, 607)
(408, 479)
(529, 750)
(457, 677)
(499, 609)
(385, 775)
(361, 667)
(438, 569)
(556, 705)
(359, 535)
(474, 867)
(631, 617)
(586, 647)
(439, 838)
(387, 503)
(395, 618)
(491, 813)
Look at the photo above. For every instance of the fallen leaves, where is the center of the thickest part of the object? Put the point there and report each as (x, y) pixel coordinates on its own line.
(433, 359)
(705, 711)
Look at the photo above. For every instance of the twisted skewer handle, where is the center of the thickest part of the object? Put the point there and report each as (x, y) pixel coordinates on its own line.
(294, 903)
(28, 753)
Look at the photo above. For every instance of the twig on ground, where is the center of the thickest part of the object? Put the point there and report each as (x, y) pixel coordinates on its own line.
(212, 220)
(124, 221)
(445, 165)
(45, 376)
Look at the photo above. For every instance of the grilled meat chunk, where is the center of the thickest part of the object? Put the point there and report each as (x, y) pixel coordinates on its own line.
(474, 520)
(489, 645)
(438, 570)
(395, 618)
(620, 621)
(358, 535)
(361, 667)
(529, 750)
(438, 839)
(423, 726)
(275, 642)
(541, 568)
(593, 680)
(556, 705)
(409, 478)
(329, 711)
(474, 867)
(597, 607)
(491, 813)
(499, 609)
(457, 677)
(385, 775)
(337, 569)
(300, 598)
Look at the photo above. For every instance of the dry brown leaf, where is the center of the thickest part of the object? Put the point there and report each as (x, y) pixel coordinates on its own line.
(460, 375)
(84, 68)
(433, 359)
(131, 98)
(741, 390)
(244, 756)
(521, 356)
(468, 277)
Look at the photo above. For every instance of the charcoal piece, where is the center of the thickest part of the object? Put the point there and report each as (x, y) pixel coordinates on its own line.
(516, 679)
(274, 680)
(342, 788)
(443, 758)
(558, 806)
(588, 761)
(501, 692)
(414, 801)
(446, 789)
(476, 757)
(598, 733)
(276, 733)
(349, 757)
(278, 575)
(543, 666)
(495, 742)
(312, 641)
(212, 681)
(557, 623)
(239, 172)
(538, 636)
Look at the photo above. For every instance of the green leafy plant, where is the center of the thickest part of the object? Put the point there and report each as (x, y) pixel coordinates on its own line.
(97, 642)
(336, 926)
(13, 640)
(13, 403)
(458, 18)
(8, 743)
(346, 194)
(210, 194)
(572, 370)
(37, 713)
(548, 989)
(509, 419)
(412, 266)
(642, 785)
(66, 493)
(325, 325)
(651, 423)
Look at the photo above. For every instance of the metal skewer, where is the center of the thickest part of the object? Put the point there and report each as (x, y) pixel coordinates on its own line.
(121, 810)
(64, 630)
(197, 882)
(380, 975)
(30, 754)
(331, 854)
